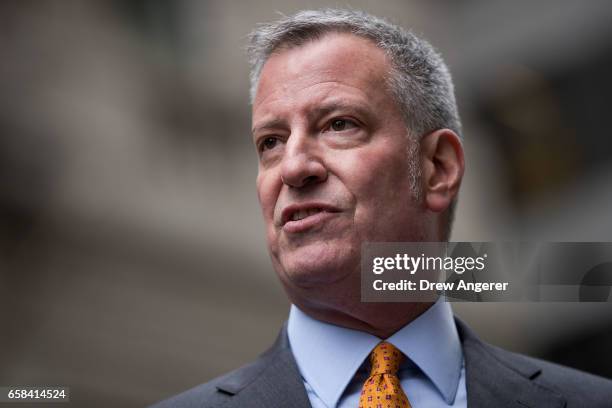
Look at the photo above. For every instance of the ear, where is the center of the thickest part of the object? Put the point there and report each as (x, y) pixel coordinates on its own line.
(443, 165)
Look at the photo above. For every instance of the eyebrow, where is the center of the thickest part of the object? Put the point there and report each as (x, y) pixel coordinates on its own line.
(320, 110)
(330, 106)
(269, 124)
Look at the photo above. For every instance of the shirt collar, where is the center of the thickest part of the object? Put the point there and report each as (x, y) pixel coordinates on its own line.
(326, 363)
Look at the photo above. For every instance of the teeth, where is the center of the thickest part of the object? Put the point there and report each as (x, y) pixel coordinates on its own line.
(300, 215)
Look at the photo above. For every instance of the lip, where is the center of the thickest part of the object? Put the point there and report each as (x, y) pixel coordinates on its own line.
(310, 221)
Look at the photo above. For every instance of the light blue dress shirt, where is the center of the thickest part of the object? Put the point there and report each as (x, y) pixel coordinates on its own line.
(333, 360)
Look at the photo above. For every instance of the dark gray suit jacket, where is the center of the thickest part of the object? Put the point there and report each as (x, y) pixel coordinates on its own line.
(494, 378)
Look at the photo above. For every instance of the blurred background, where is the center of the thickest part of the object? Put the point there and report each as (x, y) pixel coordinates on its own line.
(132, 256)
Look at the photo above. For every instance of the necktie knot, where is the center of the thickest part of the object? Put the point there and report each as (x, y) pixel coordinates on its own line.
(385, 359)
(382, 389)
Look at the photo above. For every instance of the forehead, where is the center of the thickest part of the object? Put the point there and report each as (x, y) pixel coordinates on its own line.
(336, 60)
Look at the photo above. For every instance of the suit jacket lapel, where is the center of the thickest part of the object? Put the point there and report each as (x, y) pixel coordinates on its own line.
(272, 381)
(492, 377)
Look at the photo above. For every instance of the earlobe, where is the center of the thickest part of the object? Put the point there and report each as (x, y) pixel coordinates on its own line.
(443, 166)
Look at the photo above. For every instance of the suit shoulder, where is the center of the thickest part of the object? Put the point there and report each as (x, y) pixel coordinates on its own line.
(217, 391)
(201, 396)
(579, 387)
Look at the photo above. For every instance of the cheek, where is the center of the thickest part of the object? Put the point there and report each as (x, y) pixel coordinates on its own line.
(267, 194)
(382, 190)
(269, 186)
(381, 175)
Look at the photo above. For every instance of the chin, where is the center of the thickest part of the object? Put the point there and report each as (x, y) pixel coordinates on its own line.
(317, 264)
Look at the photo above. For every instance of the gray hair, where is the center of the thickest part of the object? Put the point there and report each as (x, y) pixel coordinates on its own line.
(419, 78)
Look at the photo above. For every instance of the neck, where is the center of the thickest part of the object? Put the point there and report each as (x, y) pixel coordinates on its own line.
(378, 319)
(339, 303)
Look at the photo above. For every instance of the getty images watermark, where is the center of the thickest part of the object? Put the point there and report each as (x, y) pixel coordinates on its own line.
(486, 272)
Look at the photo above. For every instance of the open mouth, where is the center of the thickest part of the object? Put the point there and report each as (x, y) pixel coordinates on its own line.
(300, 217)
(301, 214)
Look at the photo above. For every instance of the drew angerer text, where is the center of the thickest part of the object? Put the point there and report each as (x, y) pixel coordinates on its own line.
(424, 284)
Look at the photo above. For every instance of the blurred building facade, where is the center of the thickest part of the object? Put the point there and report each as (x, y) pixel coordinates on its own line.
(132, 251)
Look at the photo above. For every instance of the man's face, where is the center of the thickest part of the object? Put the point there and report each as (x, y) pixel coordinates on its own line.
(334, 165)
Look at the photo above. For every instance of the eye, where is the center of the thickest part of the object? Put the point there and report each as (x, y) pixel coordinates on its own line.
(339, 125)
(268, 143)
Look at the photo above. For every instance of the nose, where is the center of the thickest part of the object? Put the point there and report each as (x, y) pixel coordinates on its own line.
(302, 163)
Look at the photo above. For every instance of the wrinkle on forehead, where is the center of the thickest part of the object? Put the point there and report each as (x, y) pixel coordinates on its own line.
(326, 103)
(336, 57)
(322, 95)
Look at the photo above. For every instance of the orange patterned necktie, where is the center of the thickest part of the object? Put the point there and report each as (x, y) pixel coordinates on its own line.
(382, 389)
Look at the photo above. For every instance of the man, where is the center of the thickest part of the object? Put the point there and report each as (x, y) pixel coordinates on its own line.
(358, 138)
